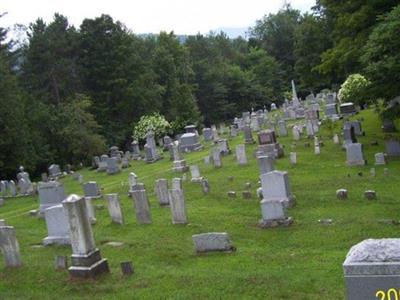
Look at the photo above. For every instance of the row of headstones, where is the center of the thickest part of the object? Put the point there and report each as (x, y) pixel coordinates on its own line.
(23, 187)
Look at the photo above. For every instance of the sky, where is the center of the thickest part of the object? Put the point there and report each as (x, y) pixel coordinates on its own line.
(150, 16)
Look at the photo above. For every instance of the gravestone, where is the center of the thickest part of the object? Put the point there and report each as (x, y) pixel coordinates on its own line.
(282, 128)
(349, 134)
(224, 147)
(12, 188)
(57, 226)
(151, 153)
(336, 139)
(293, 158)
(141, 206)
(178, 206)
(380, 159)
(354, 155)
(296, 133)
(195, 173)
(248, 136)
(347, 108)
(372, 270)
(91, 189)
(266, 137)
(176, 183)
(161, 189)
(167, 142)
(127, 268)
(392, 147)
(205, 186)
(189, 142)
(132, 181)
(112, 166)
(388, 126)
(103, 163)
(216, 158)
(233, 131)
(86, 261)
(212, 241)
(275, 186)
(54, 171)
(207, 134)
(265, 164)
(179, 164)
(310, 128)
(24, 182)
(50, 194)
(357, 127)
(10, 247)
(135, 150)
(331, 110)
(90, 210)
(273, 214)
(114, 209)
(241, 155)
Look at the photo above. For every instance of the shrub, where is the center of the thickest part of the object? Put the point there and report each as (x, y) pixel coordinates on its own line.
(155, 122)
(353, 89)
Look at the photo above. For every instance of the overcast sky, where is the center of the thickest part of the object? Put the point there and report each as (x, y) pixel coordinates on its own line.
(150, 16)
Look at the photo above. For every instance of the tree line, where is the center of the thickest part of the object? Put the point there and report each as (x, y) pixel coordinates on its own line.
(67, 93)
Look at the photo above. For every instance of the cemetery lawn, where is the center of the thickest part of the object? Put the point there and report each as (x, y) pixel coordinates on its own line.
(303, 261)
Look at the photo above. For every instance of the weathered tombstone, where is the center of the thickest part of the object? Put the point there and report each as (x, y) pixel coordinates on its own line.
(388, 126)
(103, 163)
(380, 159)
(248, 137)
(293, 158)
(273, 214)
(142, 206)
(61, 262)
(50, 194)
(80, 179)
(90, 210)
(112, 166)
(207, 134)
(57, 226)
(341, 194)
(347, 108)
(205, 186)
(266, 164)
(331, 110)
(282, 128)
(125, 162)
(151, 154)
(310, 128)
(86, 259)
(10, 247)
(45, 178)
(354, 155)
(178, 207)
(179, 164)
(91, 189)
(336, 139)
(392, 147)
(216, 158)
(276, 186)
(212, 241)
(233, 131)
(176, 183)
(207, 160)
(357, 127)
(296, 133)
(189, 142)
(195, 173)
(135, 149)
(224, 146)
(349, 135)
(241, 155)
(114, 209)
(161, 190)
(54, 171)
(3, 188)
(371, 270)
(132, 181)
(317, 149)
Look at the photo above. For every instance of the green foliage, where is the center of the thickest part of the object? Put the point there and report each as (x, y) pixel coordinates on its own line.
(353, 89)
(382, 57)
(155, 122)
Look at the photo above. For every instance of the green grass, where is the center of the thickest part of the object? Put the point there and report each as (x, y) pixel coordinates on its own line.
(303, 261)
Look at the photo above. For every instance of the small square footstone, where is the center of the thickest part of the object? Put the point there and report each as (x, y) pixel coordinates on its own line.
(232, 194)
(212, 241)
(247, 185)
(61, 262)
(325, 221)
(341, 194)
(372, 269)
(370, 195)
(127, 268)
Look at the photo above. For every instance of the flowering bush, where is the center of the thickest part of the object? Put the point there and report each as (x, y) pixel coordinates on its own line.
(352, 90)
(155, 122)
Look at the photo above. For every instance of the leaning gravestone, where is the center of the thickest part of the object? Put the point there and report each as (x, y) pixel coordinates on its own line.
(273, 214)
(275, 186)
(372, 270)
(161, 190)
(86, 261)
(114, 209)
(57, 226)
(50, 194)
(10, 247)
(212, 241)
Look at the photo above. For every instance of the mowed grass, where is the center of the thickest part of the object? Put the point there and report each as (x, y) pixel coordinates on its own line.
(303, 261)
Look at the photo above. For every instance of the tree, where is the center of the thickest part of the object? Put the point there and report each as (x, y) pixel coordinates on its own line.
(155, 122)
(353, 89)
(381, 58)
